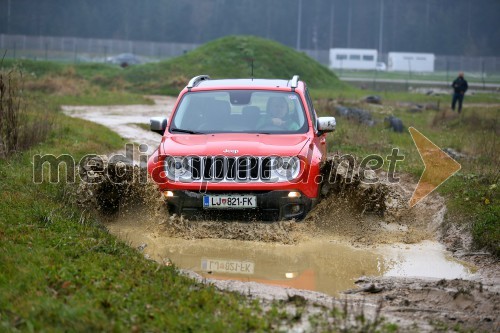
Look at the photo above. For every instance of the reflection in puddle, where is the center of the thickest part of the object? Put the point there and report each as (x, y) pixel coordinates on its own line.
(321, 265)
(318, 265)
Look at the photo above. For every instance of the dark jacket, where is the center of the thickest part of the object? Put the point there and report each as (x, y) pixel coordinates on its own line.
(460, 85)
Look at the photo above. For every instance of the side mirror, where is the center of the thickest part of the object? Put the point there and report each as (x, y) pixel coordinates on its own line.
(326, 124)
(158, 125)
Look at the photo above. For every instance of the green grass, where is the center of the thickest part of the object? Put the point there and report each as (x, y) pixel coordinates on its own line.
(62, 270)
(271, 60)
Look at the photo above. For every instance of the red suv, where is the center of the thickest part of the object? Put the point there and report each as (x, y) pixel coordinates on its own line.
(241, 144)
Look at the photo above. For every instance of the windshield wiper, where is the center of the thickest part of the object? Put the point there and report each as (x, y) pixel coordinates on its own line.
(180, 130)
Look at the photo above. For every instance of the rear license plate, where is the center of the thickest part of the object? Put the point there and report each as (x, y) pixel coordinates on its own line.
(229, 201)
(227, 266)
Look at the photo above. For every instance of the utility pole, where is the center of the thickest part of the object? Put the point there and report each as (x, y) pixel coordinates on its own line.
(299, 25)
(349, 19)
(381, 28)
(332, 12)
(8, 16)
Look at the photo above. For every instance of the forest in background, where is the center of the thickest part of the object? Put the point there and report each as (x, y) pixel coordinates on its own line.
(448, 27)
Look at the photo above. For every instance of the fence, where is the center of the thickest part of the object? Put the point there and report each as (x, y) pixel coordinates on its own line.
(467, 64)
(91, 49)
(85, 49)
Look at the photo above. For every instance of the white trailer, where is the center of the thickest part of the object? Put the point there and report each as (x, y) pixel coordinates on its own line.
(353, 59)
(410, 62)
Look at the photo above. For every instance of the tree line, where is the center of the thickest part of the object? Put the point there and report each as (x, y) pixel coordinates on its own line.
(448, 27)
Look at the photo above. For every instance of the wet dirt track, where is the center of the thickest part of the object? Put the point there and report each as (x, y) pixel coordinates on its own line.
(328, 252)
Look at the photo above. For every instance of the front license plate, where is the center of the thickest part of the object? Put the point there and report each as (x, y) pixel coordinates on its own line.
(229, 201)
(227, 266)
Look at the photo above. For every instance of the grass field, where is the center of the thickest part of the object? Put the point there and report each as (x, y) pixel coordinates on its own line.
(61, 269)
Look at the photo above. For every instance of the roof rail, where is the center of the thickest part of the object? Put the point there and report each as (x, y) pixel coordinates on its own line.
(295, 82)
(197, 79)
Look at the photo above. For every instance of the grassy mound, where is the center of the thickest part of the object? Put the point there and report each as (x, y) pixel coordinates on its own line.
(231, 57)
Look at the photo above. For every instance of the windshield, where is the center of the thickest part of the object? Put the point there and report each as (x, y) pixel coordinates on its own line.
(240, 111)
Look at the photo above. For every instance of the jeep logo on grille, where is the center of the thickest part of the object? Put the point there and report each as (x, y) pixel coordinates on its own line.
(230, 151)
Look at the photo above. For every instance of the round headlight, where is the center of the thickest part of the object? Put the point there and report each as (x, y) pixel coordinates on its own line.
(174, 167)
(288, 167)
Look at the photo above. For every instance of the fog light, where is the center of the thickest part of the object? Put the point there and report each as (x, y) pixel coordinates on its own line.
(289, 275)
(294, 194)
(168, 194)
(295, 209)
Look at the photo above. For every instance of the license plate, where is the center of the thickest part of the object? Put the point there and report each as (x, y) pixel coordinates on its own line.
(227, 266)
(229, 201)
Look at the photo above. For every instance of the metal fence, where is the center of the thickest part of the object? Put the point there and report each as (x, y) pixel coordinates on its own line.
(85, 49)
(91, 49)
(467, 64)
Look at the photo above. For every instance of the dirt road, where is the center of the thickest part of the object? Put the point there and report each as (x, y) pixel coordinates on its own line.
(396, 258)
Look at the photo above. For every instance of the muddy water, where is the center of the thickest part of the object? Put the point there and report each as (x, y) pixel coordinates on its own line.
(123, 119)
(327, 253)
(323, 264)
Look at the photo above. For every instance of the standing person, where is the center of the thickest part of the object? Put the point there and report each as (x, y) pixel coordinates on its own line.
(460, 86)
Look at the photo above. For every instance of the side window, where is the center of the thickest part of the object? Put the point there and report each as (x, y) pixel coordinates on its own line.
(311, 111)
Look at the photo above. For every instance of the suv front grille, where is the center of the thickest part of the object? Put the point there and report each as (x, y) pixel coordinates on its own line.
(223, 168)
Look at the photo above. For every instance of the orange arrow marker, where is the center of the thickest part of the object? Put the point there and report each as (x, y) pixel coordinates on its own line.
(438, 166)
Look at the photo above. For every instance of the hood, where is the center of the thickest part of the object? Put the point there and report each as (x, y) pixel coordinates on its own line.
(231, 144)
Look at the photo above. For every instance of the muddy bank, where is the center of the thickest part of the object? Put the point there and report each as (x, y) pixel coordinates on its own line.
(436, 304)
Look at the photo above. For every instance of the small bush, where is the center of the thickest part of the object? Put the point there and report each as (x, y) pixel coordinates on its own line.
(19, 127)
(10, 106)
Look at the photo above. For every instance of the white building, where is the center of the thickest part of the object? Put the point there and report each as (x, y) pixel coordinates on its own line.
(410, 62)
(353, 59)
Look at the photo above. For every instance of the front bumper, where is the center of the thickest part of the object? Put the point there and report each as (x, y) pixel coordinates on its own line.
(274, 205)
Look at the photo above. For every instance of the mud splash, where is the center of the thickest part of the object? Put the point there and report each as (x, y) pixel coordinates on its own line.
(360, 213)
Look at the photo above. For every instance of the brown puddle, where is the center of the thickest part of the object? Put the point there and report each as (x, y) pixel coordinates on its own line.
(325, 265)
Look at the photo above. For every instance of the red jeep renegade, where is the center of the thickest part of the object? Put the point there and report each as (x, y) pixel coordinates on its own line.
(241, 144)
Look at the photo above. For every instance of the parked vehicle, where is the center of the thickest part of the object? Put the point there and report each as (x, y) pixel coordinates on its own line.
(362, 59)
(410, 62)
(125, 59)
(381, 67)
(241, 144)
